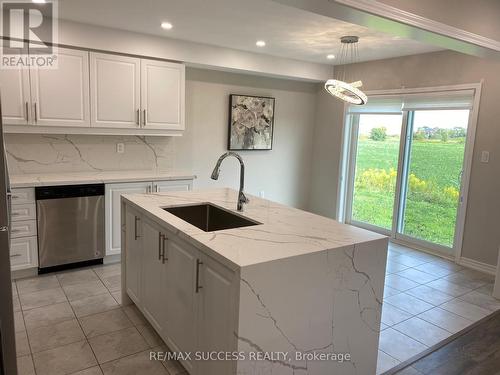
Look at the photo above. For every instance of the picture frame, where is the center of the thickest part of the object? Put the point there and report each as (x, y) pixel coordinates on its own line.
(251, 122)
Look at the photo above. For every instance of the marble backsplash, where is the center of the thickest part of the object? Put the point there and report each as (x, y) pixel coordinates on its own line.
(52, 153)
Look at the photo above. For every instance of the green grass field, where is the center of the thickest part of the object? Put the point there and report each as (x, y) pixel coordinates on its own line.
(430, 210)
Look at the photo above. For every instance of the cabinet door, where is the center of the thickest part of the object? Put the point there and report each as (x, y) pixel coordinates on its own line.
(23, 253)
(115, 91)
(133, 255)
(154, 286)
(217, 309)
(174, 185)
(16, 100)
(162, 95)
(60, 97)
(112, 213)
(181, 297)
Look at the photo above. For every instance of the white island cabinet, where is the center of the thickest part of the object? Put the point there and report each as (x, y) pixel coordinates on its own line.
(293, 283)
(112, 204)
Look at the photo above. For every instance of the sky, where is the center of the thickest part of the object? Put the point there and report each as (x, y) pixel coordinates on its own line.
(447, 119)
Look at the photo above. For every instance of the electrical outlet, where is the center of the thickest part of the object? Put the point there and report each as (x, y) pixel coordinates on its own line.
(120, 148)
(485, 157)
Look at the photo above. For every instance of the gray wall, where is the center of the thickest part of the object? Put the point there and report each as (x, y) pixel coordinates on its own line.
(482, 234)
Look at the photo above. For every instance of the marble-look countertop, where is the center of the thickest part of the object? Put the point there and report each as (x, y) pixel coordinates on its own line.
(53, 179)
(284, 232)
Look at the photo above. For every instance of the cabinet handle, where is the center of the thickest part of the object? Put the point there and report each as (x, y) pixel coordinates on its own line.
(15, 255)
(27, 112)
(36, 116)
(138, 119)
(15, 213)
(13, 196)
(163, 257)
(144, 118)
(136, 235)
(160, 242)
(15, 230)
(198, 286)
(156, 188)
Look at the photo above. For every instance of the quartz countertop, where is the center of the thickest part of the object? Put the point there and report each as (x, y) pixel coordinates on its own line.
(284, 232)
(53, 179)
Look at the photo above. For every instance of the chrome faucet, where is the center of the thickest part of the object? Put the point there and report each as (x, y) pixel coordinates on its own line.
(242, 199)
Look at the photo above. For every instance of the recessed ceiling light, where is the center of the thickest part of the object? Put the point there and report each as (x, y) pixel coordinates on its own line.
(166, 25)
(260, 43)
(330, 57)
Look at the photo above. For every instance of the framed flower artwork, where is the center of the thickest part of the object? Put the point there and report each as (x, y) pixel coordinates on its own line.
(251, 122)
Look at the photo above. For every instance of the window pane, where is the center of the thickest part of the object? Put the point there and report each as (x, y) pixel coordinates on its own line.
(434, 175)
(376, 169)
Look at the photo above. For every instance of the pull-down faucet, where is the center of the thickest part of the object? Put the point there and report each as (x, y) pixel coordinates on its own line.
(242, 199)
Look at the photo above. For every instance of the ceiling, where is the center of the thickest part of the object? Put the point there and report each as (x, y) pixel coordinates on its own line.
(288, 32)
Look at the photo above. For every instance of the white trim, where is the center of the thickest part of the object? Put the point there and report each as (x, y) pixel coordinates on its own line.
(423, 249)
(479, 266)
(399, 15)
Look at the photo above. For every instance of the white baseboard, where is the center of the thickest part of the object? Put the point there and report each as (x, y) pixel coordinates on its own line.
(479, 266)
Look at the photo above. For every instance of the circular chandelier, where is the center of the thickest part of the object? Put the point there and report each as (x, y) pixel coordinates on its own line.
(339, 86)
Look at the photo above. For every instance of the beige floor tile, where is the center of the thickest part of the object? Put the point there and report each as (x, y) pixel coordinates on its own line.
(108, 270)
(113, 283)
(398, 345)
(393, 267)
(449, 265)
(16, 303)
(422, 331)
(94, 304)
(466, 280)
(117, 296)
(106, 322)
(385, 362)
(42, 298)
(14, 288)
(429, 295)
(410, 261)
(48, 315)
(173, 367)
(434, 269)
(482, 300)
(19, 322)
(134, 315)
(96, 370)
(388, 291)
(150, 335)
(52, 336)
(465, 309)
(117, 344)
(392, 315)
(36, 284)
(408, 303)
(65, 359)
(417, 276)
(399, 283)
(134, 365)
(451, 322)
(84, 290)
(22, 345)
(486, 289)
(448, 287)
(77, 277)
(25, 365)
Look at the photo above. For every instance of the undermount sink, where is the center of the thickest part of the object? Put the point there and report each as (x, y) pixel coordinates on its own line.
(209, 218)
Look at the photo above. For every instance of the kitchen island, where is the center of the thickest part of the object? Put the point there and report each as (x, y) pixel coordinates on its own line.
(289, 292)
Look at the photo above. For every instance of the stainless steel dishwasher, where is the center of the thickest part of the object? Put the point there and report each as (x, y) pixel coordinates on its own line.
(70, 222)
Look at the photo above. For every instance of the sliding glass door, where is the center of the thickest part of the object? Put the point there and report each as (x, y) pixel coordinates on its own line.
(405, 167)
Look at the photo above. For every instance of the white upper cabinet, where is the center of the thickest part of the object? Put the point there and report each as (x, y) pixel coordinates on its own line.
(115, 90)
(15, 95)
(162, 95)
(60, 97)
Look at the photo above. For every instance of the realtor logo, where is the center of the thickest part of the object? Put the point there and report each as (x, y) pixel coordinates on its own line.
(29, 31)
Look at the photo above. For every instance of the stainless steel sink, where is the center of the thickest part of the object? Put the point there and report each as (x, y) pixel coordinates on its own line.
(209, 218)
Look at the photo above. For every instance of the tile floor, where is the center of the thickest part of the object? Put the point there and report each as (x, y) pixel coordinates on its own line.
(426, 300)
(73, 323)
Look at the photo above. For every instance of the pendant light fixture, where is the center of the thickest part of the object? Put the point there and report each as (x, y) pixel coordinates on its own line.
(342, 86)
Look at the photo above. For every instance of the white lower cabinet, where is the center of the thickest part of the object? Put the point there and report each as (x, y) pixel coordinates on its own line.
(188, 297)
(23, 253)
(133, 256)
(112, 203)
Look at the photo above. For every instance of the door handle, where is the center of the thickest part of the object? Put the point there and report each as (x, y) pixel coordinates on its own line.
(198, 286)
(160, 243)
(163, 257)
(136, 235)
